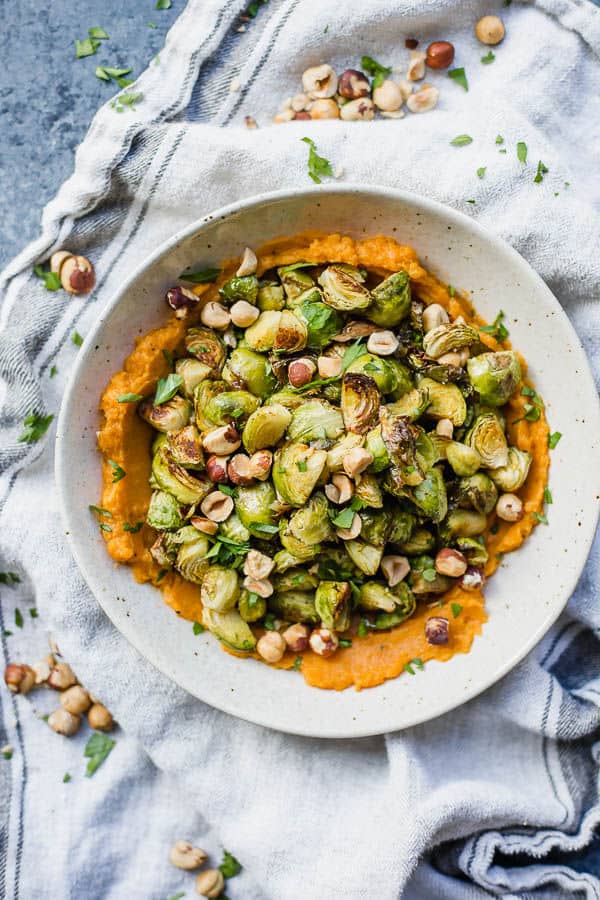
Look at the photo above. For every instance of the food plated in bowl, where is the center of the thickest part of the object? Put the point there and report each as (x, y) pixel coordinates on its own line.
(327, 447)
(523, 598)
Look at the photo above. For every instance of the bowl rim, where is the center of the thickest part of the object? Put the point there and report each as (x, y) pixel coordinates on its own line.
(584, 541)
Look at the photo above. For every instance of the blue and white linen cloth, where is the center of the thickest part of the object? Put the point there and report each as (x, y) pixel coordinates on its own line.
(492, 799)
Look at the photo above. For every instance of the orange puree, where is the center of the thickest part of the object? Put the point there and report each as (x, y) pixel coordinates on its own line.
(126, 439)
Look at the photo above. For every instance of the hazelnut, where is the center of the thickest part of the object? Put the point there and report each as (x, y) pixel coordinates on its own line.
(396, 114)
(323, 642)
(320, 82)
(440, 55)
(210, 883)
(271, 646)
(388, 96)
(184, 855)
(258, 565)
(260, 586)
(349, 534)
(356, 461)
(416, 66)
(99, 718)
(444, 428)
(433, 316)
(456, 358)
(450, 562)
(301, 371)
(361, 110)
(490, 30)
(329, 366)
(42, 669)
(324, 109)
(248, 263)
(181, 300)
(383, 343)
(300, 102)
(296, 637)
(206, 526)
(250, 122)
(57, 259)
(61, 676)
(353, 84)
(214, 315)
(75, 700)
(286, 115)
(63, 722)
(411, 43)
(244, 314)
(302, 116)
(424, 99)
(473, 579)
(340, 490)
(239, 470)
(221, 441)
(77, 275)
(395, 569)
(217, 506)
(436, 630)
(260, 464)
(19, 678)
(509, 508)
(216, 468)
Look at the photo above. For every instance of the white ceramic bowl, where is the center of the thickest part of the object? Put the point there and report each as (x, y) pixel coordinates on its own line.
(532, 586)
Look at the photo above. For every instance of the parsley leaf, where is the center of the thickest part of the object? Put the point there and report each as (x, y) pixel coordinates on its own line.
(344, 642)
(87, 47)
(167, 387)
(497, 329)
(540, 517)
(204, 276)
(100, 511)
(269, 622)
(230, 867)
(461, 140)
(541, 171)
(297, 663)
(98, 34)
(499, 139)
(522, 151)
(302, 465)
(151, 24)
(266, 529)
(456, 609)
(18, 618)
(408, 668)
(9, 578)
(66, 778)
(53, 371)
(317, 165)
(7, 752)
(129, 398)
(133, 529)
(35, 427)
(117, 471)
(77, 339)
(548, 495)
(225, 489)
(429, 574)
(198, 628)
(481, 171)
(460, 77)
(163, 4)
(553, 439)
(51, 279)
(344, 518)
(489, 58)
(378, 72)
(96, 750)
(126, 101)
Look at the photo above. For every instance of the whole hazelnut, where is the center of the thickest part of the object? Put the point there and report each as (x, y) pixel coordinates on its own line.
(301, 116)
(324, 109)
(181, 300)
(75, 700)
(210, 883)
(19, 678)
(99, 718)
(388, 96)
(490, 30)
(509, 508)
(323, 642)
(271, 646)
(353, 84)
(440, 55)
(473, 579)
(216, 468)
(296, 637)
(301, 371)
(61, 676)
(436, 630)
(58, 258)
(63, 722)
(206, 526)
(361, 110)
(450, 562)
(239, 470)
(320, 82)
(260, 464)
(184, 855)
(77, 275)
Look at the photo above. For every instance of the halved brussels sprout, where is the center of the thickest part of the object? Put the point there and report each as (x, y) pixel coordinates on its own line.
(294, 606)
(391, 300)
(207, 347)
(254, 507)
(475, 551)
(337, 453)
(310, 295)
(478, 492)
(445, 338)
(185, 449)
(487, 437)
(420, 541)
(430, 495)
(230, 629)
(163, 512)
(375, 596)
(164, 550)
(374, 443)
(295, 281)
(446, 401)
(240, 287)
(400, 438)
(413, 404)
(405, 607)
(233, 530)
(291, 335)
(296, 471)
(368, 489)
(322, 323)
(316, 420)
(359, 274)
(402, 525)
(365, 556)
(284, 560)
(230, 406)
(265, 427)
(270, 295)
(513, 475)
(332, 602)
(262, 334)
(463, 460)
(311, 524)
(191, 562)
(360, 402)
(289, 399)
(297, 580)
(462, 523)
(495, 376)
(342, 290)
(375, 526)
(169, 416)
(294, 544)
(251, 607)
(381, 370)
(247, 370)
(424, 579)
(220, 588)
(174, 479)
(192, 372)
(203, 394)
(404, 380)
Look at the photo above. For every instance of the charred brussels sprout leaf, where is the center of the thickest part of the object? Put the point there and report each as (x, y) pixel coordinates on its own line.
(383, 371)
(487, 437)
(368, 490)
(233, 530)
(391, 300)
(495, 376)
(192, 372)
(184, 447)
(446, 401)
(413, 404)
(266, 427)
(270, 296)
(462, 523)
(295, 281)
(375, 444)
(405, 607)
(262, 334)
(296, 471)
(191, 561)
(332, 602)
(478, 492)
(446, 338)
(360, 402)
(513, 475)
(365, 556)
(169, 416)
(420, 541)
(375, 596)
(244, 287)
(322, 323)
(316, 420)
(375, 526)
(311, 524)
(292, 333)
(402, 525)
(174, 479)
(220, 589)
(207, 347)
(430, 496)
(343, 291)
(230, 629)
(463, 460)
(163, 512)
(297, 580)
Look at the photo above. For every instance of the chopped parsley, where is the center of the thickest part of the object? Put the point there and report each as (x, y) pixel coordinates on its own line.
(548, 495)
(461, 140)
(66, 778)
(229, 867)
(18, 618)
(357, 503)
(499, 139)
(429, 574)
(163, 4)
(532, 410)
(126, 101)
(541, 171)
(33, 612)
(553, 439)
(96, 750)
(86, 47)
(77, 339)
(266, 529)
(540, 518)
(297, 663)
(151, 24)
(203, 276)
(363, 628)
(342, 519)
(225, 489)
(481, 171)
(269, 622)
(345, 642)
(129, 398)
(9, 578)
(378, 72)
(53, 371)
(105, 527)
(35, 427)
(460, 77)
(117, 471)
(488, 58)
(7, 753)
(198, 628)
(451, 291)
(160, 576)
(100, 511)
(169, 357)
(317, 165)
(497, 329)
(302, 465)
(167, 387)
(132, 529)
(522, 151)
(105, 73)
(98, 34)
(51, 279)
(456, 609)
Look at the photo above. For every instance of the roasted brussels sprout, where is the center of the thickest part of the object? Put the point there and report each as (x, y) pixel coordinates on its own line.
(266, 427)
(402, 524)
(446, 401)
(495, 376)
(284, 561)
(404, 380)
(368, 489)
(296, 580)
(311, 523)
(512, 476)
(405, 607)
(430, 495)
(445, 338)
(337, 453)
(474, 551)
(332, 602)
(164, 512)
(270, 296)
(233, 530)
(220, 589)
(365, 556)
(290, 399)
(375, 596)
(477, 492)
(322, 322)
(294, 606)
(251, 607)
(381, 370)
(240, 287)
(207, 347)
(169, 416)
(360, 402)
(230, 407)
(400, 438)
(164, 550)
(230, 629)
(203, 394)
(424, 579)
(295, 544)
(376, 526)
(390, 300)
(342, 290)
(254, 507)
(192, 372)
(464, 460)
(296, 471)
(487, 437)
(262, 335)
(174, 479)
(315, 420)
(413, 404)
(374, 443)
(191, 561)
(184, 447)
(295, 281)
(247, 370)
(462, 523)
(292, 333)
(420, 541)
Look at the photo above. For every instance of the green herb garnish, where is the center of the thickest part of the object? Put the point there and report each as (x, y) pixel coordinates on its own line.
(317, 165)
(547, 495)
(540, 518)
(553, 439)
(297, 663)
(167, 387)
(9, 578)
(129, 398)
(269, 622)
(378, 72)
(522, 151)
(481, 171)
(461, 140)
(35, 427)
(488, 58)
(7, 754)
(541, 171)
(456, 609)
(460, 77)
(163, 4)
(266, 529)
(96, 750)
(229, 867)
(345, 642)
(77, 339)
(18, 618)
(499, 139)
(86, 47)
(51, 279)
(344, 518)
(198, 628)
(225, 489)
(202, 276)
(497, 329)
(98, 34)
(302, 465)
(104, 527)
(117, 471)
(66, 778)
(132, 529)
(53, 371)
(100, 511)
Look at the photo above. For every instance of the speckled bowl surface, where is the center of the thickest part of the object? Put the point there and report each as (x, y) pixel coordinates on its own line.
(531, 587)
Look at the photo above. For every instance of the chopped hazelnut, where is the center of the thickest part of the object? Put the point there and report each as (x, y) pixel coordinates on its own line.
(450, 562)
(206, 526)
(221, 441)
(353, 84)
(61, 676)
(239, 470)
(184, 855)
(356, 461)
(416, 66)
(361, 110)
(258, 565)
(436, 630)
(320, 82)
(248, 263)
(329, 366)
(210, 883)
(244, 314)
(215, 315)
(395, 569)
(77, 275)
(260, 586)
(509, 508)
(323, 641)
(383, 343)
(349, 534)
(296, 637)
(424, 99)
(490, 30)
(217, 506)
(216, 468)
(433, 316)
(388, 96)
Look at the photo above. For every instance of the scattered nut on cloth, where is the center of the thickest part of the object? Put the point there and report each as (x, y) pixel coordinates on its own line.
(419, 814)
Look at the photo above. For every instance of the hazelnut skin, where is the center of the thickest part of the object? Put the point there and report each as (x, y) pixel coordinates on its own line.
(77, 275)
